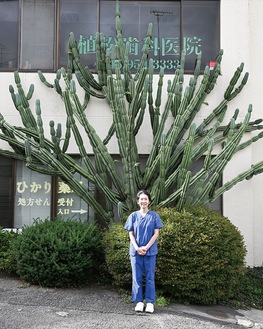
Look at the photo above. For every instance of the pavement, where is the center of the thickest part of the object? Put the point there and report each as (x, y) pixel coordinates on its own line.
(24, 306)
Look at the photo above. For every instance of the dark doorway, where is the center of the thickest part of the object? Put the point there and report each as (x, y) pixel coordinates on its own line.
(6, 192)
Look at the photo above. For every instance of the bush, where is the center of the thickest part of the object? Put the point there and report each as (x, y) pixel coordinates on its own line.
(200, 260)
(201, 255)
(7, 262)
(116, 247)
(250, 291)
(58, 253)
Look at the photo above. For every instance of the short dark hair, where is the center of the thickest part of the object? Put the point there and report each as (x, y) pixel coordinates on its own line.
(143, 192)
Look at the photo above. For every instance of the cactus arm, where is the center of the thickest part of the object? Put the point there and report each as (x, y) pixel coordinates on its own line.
(193, 108)
(186, 160)
(142, 109)
(249, 142)
(127, 73)
(43, 79)
(67, 136)
(77, 186)
(111, 132)
(160, 190)
(85, 85)
(40, 124)
(202, 145)
(83, 152)
(177, 98)
(239, 89)
(161, 125)
(118, 29)
(158, 102)
(228, 97)
(100, 58)
(233, 81)
(255, 169)
(95, 141)
(77, 65)
(185, 188)
(215, 72)
(150, 164)
(221, 160)
(180, 193)
(21, 102)
(150, 92)
(146, 49)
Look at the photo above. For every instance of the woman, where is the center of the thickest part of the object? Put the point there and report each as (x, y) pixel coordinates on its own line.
(143, 227)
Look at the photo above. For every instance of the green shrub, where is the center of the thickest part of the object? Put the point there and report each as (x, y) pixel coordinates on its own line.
(116, 247)
(250, 291)
(200, 260)
(58, 253)
(201, 255)
(7, 262)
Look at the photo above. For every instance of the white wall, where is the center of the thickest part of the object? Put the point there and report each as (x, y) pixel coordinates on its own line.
(242, 41)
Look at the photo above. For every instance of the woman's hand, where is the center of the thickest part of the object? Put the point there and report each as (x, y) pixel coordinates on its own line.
(141, 251)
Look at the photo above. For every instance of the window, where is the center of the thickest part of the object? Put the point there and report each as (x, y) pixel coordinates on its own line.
(189, 25)
(6, 192)
(29, 30)
(32, 196)
(200, 31)
(37, 34)
(79, 17)
(8, 34)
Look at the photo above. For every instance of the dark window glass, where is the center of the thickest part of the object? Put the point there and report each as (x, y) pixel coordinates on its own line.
(37, 35)
(32, 195)
(79, 17)
(200, 31)
(189, 25)
(135, 18)
(6, 192)
(8, 34)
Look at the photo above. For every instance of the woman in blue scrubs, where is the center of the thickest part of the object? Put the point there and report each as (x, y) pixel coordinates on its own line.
(143, 226)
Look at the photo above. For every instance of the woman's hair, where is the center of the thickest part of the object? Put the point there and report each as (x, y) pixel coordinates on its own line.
(143, 192)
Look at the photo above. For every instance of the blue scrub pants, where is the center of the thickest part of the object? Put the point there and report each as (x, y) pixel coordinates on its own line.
(143, 266)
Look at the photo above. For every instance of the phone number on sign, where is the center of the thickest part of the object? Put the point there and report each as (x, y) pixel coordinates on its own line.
(168, 64)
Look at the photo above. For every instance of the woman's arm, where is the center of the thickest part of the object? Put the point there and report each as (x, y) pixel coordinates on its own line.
(152, 240)
(140, 250)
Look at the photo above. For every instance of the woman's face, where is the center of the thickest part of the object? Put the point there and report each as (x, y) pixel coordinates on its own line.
(143, 201)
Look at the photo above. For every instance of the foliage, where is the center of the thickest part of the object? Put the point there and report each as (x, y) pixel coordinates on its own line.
(58, 253)
(178, 142)
(116, 248)
(201, 255)
(6, 256)
(200, 260)
(249, 293)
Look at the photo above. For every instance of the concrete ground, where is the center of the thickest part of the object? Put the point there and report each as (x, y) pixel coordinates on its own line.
(24, 306)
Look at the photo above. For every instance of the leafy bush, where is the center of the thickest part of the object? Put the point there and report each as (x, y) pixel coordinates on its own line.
(200, 260)
(201, 255)
(58, 253)
(7, 262)
(116, 247)
(250, 291)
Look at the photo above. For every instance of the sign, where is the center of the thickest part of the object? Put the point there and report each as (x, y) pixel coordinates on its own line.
(163, 50)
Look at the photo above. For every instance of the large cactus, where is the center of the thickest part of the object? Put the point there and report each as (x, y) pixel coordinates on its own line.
(167, 173)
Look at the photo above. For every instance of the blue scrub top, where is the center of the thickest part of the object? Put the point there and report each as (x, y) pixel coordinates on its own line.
(143, 228)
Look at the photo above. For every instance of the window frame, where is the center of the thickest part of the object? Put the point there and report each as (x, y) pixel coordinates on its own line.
(57, 32)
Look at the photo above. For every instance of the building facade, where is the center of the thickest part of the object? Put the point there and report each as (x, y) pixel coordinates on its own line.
(34, 35)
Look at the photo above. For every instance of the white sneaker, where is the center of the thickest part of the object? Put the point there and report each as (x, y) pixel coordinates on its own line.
(149, 308)
(139, 307)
